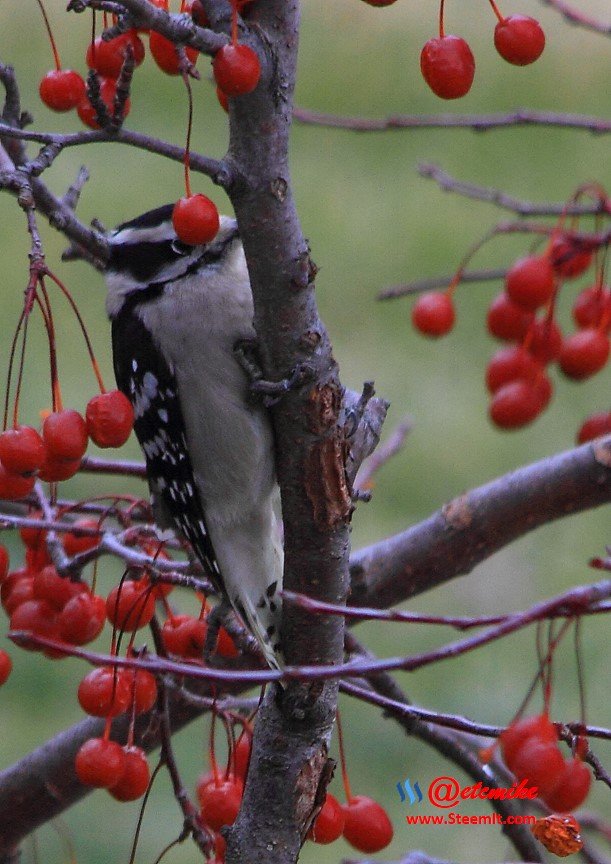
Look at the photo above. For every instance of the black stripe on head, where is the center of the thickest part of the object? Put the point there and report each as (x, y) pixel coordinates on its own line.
(143, 260)
(150, 219)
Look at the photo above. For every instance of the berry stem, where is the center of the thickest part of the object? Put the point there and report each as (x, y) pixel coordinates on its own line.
(45, 308)
(580, 671)
(496, 11)
(211, 754)
(234, 22)
(74, 307)
(187, 156)
(107, 725)
(10, 369)
(20, 373)
(342, 759)
(58, 64)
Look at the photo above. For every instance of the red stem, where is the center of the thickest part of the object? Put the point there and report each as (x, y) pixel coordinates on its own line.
(342, 759)
(58, 64)
(234, 22)
(48, 316)
(74, 307)
(496, 11)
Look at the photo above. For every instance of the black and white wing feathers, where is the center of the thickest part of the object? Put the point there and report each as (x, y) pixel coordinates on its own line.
(144, 376)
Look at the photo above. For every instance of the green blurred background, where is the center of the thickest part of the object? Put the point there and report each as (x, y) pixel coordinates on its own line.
(371, 222)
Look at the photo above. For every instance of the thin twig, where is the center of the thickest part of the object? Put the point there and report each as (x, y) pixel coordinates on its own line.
(501, 199)
(476, 122)
(576, 16)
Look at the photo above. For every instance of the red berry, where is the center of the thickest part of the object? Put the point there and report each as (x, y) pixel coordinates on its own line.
(223, 99)
(131, 605)
(448, 66)
(16, 589)
(36, 559)
(6, 665)
(196, 11)
(65, 435)
(184, 636)
(55, 589)
(75, 543)
(166, 56)
(540, 763)
(219, 800)
(594, 426)
(433, 314)
(584, 353)
(136, 777)
(37, 617)
(380, 2)
(100, 763)
(195, 220)
(571, 789)
(56, 470)
(241, 754)
(367, 826)
(530, 282)
(236, 69)
(32, 537)
(511, 364)
(22, 450)
(104, 692)
(110, 419)
(13, 486)
(225, 646)
(107, 56)
(519, 39)
(61, 89)
(544, 390)
(82, 619)
(591, 305)
(512, 739)
(108, 89)
(506, 320)
(514, 405)
(329, 824)
(4, 562)
(569, 258)
(143, 690)
(545, 340)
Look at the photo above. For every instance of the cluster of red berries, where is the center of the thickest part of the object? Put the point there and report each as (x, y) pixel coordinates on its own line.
(447, 63)
(105, 764)
(100, 762)
(64, 89)
(361, 821)
(523, 315)
(236, 69)
(56, 453)
(530, 750)
(38, 600)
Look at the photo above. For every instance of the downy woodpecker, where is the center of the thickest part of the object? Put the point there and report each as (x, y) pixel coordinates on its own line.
(177, 312)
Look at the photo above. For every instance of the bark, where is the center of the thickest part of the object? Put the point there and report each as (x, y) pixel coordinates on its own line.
(292, 736)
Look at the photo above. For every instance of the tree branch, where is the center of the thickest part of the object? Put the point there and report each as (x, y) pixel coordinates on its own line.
(476, 122)
(474, 526)
(501, 199)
